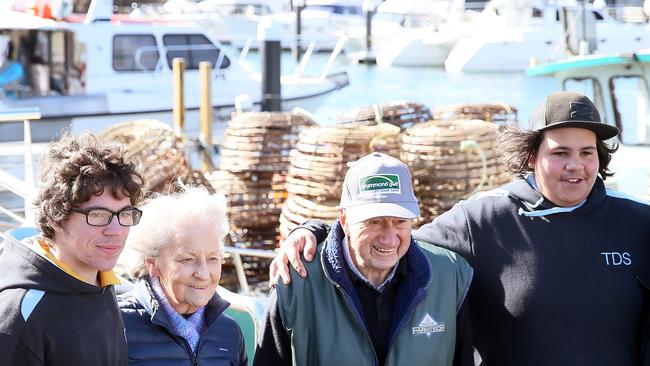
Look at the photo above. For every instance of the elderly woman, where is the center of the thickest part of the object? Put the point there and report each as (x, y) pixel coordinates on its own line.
(173, 316)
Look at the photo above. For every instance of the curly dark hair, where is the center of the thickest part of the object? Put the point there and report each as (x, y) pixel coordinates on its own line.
(519, 146)
(75, 169)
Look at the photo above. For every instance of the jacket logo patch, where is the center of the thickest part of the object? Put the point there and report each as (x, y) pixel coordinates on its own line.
(428, 326)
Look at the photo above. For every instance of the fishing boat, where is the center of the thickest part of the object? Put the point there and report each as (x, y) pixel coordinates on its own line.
(99, 68)
(619, 86)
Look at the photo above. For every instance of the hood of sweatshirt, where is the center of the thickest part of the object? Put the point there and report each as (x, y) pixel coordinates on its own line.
(22, 267)
(535, 204)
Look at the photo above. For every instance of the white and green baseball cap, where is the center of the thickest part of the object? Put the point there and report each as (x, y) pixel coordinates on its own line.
(378, 185)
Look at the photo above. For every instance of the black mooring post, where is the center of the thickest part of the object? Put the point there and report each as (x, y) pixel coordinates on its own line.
(297, 48)
(367, 55)
(369, 14)
(271, 71)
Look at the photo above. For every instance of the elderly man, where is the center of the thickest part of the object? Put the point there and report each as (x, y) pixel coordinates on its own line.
(57, 299)
(561, 262)
(374, 296)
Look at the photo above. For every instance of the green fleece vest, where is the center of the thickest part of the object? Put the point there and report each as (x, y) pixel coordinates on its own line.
(325, 331)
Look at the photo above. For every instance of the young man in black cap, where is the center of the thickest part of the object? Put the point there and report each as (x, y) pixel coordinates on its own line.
(560, 262)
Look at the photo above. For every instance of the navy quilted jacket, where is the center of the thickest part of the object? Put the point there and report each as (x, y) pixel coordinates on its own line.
(151, 341)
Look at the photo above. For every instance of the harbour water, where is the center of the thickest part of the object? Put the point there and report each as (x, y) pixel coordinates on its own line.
(370, 84)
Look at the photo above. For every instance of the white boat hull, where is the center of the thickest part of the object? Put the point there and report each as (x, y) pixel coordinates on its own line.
(414, 51)
(90, 118)
(506, 53)
(515, 50)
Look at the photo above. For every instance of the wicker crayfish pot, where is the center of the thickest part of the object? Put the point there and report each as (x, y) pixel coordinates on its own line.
(319, 164)
(450, 160)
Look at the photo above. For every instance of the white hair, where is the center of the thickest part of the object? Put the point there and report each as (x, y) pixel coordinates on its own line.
(163, 217)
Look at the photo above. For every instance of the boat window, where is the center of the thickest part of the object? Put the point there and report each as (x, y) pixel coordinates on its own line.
(135, 52)
(590, 87)
(336, 9)
(631, 108)
(387, 17)
(421, 21)
(246, 9)
(194, 48)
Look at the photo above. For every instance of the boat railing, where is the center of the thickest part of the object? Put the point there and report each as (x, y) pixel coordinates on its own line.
(330, 62)
(310, 44)
(321, 40)
(244, 51)
(23, 188)
(248, 42)
(559, 51)
(160, 64)
(140, 52)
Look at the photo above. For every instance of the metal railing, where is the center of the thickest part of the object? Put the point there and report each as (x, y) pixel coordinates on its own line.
(162, 62)
(25, 189)
(237, 253)
(223, 59)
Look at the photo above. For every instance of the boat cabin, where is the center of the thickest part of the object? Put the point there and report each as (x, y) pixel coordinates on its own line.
(43, 57)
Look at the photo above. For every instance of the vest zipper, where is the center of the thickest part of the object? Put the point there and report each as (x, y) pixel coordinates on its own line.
(182, 341)
(345, 300)
(399, 329)
(188, 348)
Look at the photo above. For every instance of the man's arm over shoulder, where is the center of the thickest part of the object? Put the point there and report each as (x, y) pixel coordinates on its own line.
(300, 241)
(319, 228)
(274, 344)
(450, 231)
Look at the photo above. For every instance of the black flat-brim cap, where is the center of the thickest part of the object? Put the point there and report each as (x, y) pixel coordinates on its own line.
(569, 109)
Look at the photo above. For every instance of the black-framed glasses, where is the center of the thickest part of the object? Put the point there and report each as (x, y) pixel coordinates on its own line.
(127, 216)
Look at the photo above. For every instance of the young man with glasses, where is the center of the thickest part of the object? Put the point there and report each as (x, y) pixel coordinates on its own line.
(57, 298)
